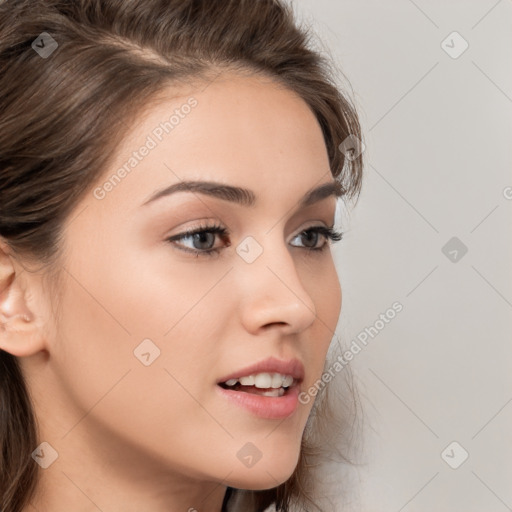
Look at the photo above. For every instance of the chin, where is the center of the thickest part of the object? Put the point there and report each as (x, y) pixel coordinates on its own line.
(266, 474)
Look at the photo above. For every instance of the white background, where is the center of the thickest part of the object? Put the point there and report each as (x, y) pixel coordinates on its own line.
(438, 157)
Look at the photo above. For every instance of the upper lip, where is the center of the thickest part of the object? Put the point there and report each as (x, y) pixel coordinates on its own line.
(291, 367)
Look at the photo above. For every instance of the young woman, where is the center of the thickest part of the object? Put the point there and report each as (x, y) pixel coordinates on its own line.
(169, 175)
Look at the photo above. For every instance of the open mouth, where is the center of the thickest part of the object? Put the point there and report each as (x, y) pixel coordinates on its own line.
(262, 384)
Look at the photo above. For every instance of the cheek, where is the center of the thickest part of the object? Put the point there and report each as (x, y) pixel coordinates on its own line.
(93, 348)
(331, 298)
(156, 293)
(325, 290)
(112, 314)
(107, 389)
(119, 313)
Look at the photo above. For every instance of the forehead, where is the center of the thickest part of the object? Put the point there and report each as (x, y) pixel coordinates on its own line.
(242, 129)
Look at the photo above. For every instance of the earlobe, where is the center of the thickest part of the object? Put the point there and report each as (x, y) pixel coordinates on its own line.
(19, 333)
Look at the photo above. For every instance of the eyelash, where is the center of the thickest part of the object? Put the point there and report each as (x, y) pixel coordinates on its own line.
(328, 232)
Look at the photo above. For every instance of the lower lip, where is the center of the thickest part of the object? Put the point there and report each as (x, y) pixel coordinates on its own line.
(267, 407)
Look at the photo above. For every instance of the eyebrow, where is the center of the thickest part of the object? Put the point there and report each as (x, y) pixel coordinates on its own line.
(243, 196)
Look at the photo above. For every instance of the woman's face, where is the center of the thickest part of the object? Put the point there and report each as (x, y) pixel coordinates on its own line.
(148, 329)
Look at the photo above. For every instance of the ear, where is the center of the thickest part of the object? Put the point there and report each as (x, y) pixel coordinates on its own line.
(20, 329)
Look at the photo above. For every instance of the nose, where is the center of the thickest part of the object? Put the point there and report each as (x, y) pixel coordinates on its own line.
(272, 294)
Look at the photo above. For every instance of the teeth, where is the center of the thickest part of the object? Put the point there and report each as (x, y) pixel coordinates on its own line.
(264, 381)
(274, 392)
(277, 380)
(247, 381)
(287, 381)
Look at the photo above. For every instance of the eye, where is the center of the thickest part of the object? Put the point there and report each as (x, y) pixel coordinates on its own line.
(201, 240)
(318, 233)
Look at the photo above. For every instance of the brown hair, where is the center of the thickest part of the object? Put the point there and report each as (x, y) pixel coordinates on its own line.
(64, 115)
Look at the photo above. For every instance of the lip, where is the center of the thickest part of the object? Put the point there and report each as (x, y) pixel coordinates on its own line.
(291, 367)
(267, 407)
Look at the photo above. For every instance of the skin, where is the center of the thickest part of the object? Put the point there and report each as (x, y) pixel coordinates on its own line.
(132, 437)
